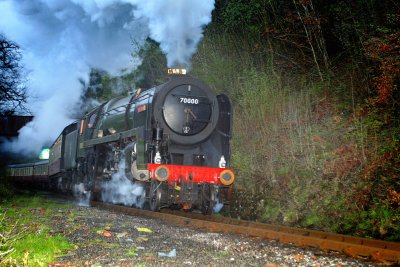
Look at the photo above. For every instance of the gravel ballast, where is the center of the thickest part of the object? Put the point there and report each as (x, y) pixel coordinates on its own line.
(102, 238)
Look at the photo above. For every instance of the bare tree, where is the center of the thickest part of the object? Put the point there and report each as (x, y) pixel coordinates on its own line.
(12, 88)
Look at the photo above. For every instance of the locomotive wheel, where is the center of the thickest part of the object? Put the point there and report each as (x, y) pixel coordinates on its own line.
(155, 195)
(207, 199)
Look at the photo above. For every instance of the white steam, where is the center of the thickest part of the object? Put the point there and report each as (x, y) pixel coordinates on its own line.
(217, 204)
(82, 195)
(177, 25)
(120, 190)
(61, 40)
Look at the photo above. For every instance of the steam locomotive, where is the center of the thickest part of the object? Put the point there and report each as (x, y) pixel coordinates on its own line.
(172, 141)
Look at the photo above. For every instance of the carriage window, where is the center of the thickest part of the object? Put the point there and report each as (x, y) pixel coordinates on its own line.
(92, 120)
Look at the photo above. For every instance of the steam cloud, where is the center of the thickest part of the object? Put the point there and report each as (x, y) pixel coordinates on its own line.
(120, 190)
(217, 204)
(81, 195)
(176, 25)
(62, 40)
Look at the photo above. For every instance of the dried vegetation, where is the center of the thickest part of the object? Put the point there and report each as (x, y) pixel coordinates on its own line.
(316, 111)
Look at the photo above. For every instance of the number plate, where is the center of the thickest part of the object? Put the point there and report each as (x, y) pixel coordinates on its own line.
(187, 100)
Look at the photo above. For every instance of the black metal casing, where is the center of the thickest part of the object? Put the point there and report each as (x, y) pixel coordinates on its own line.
(196, 123)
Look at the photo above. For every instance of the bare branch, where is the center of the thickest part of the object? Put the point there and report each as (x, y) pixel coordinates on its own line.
(13, 93)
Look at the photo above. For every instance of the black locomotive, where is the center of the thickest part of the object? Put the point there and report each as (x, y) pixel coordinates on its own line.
(172, 140)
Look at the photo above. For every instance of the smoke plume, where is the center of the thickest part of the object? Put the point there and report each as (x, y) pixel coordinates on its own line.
(61, 41)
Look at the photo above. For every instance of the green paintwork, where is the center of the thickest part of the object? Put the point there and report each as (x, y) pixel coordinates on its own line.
(108, 138)
(119, 118)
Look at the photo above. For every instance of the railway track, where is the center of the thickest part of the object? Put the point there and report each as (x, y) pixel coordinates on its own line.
(378, 250)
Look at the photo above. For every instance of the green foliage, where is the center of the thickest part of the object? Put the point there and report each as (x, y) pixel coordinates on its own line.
(102, 87)
(246, 16)
(380, 222)
(27, 202)
(271, 212)
(153, 69)
(353, 23)
(313, 219)
(380, 187)
(39, 247)
(26, 238)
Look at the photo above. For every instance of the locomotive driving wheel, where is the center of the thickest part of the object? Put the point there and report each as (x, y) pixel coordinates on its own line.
(207, 199)
(155, 195)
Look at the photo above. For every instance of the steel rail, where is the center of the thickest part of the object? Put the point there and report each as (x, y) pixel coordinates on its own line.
(377, 250)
